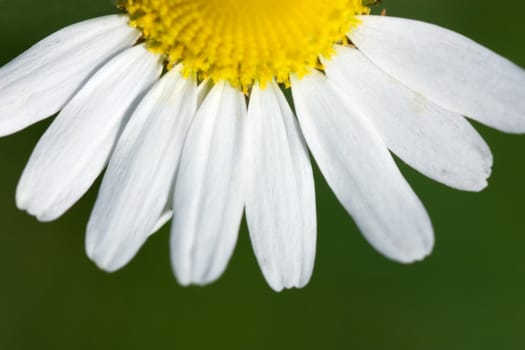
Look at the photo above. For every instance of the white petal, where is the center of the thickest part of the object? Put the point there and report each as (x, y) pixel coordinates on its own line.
(165, 217)
(450, 69)
(141, 172)
(202, 90)
(361, 172)
(280, 204)
(439, 143)
(209, 196)
(38, 83)
(74, 150)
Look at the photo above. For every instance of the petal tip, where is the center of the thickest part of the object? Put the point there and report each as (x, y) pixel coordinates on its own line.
(278, 288)
(103, 262)
(104, 259)
(417, 255)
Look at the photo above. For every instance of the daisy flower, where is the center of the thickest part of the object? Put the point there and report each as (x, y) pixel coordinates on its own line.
(183, 101)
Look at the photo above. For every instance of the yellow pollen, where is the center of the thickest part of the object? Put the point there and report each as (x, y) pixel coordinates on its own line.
(244, 41)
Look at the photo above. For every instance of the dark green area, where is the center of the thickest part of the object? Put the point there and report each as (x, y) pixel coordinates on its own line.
(469, 294)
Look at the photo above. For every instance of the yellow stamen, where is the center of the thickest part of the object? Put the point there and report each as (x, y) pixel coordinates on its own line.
(244, 41)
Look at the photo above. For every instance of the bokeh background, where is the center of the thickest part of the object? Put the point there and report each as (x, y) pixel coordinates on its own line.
(469, 294)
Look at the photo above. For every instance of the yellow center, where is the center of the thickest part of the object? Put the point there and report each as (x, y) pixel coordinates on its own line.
(244, 41)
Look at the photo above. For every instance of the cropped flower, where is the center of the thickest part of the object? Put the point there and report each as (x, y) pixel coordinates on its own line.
(183, 101)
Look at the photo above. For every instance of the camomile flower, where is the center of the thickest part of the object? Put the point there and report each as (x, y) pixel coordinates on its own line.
(183, 101)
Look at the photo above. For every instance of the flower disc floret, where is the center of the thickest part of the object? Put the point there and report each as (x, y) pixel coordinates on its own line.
(244, 41)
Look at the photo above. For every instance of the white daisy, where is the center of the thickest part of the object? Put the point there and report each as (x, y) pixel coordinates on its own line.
(184, 100)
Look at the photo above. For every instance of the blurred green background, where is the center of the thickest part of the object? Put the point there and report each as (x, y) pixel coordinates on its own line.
(469, 294)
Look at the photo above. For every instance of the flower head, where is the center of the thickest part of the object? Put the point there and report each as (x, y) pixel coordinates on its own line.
(183, 101)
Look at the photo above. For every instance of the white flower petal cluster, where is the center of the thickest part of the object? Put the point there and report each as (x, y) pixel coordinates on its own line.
(203, 153)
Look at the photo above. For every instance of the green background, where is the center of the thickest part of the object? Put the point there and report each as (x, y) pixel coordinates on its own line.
(469, 294)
